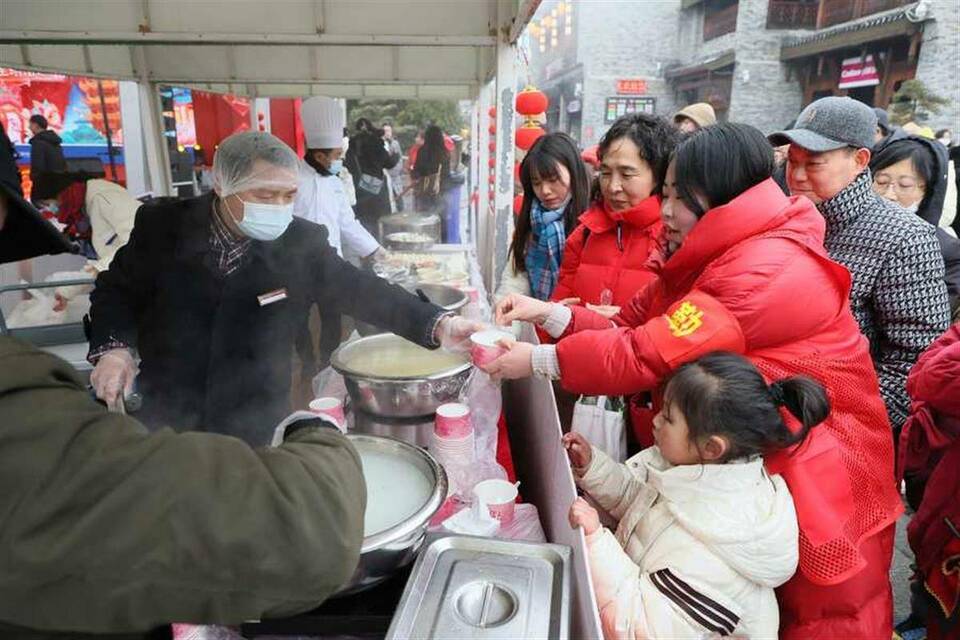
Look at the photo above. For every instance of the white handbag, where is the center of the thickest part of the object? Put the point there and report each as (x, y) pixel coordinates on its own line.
(600, 419)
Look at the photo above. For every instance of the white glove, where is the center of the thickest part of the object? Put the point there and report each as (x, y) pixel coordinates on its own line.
(380, 255)
(112, 378)
(453, 333)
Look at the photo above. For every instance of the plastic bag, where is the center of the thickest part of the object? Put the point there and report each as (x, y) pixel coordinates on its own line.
(525, 525)
(482, 394)
(600, 420)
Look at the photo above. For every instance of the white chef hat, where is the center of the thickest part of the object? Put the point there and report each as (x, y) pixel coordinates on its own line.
(323, 121)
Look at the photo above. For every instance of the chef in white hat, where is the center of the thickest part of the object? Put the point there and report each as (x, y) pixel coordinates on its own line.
(321, 197)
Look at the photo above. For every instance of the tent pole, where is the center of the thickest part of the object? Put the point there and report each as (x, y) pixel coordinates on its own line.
(154, 143)
(505, 102)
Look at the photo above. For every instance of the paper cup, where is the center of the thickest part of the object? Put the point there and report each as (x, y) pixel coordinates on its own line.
(484, 347)
(473, 294)
(500, 497)
(453, 421)
(331, 407)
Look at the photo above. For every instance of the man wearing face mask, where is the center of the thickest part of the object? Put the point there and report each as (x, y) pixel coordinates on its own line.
(211, 291)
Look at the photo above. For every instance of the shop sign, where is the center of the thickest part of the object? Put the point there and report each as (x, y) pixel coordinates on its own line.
(858, 72)
(617, 106)
(573, 106)
(632, 87)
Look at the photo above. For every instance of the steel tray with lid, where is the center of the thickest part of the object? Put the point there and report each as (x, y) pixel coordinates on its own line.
(480, 588)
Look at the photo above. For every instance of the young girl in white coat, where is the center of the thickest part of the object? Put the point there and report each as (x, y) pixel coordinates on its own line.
(704, 534)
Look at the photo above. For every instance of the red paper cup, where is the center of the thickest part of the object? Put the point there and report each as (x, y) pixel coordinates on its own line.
(331, 407)
(485, 347)
(473, 294)
(501, 498)
(453, 421)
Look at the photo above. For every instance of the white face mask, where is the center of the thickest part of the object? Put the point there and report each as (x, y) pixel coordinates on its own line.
(265, 221)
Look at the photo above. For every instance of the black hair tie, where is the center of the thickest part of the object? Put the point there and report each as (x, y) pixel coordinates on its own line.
(776, 392)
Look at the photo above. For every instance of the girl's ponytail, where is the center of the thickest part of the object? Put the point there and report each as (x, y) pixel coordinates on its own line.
(803, 397)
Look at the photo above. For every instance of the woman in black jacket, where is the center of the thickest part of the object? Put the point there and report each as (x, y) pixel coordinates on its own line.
(431, 171)
(367, 158)
(913, 172)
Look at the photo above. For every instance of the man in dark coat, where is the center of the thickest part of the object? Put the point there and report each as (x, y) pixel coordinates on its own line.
(210, 292)
(46, 152)
(107, 528)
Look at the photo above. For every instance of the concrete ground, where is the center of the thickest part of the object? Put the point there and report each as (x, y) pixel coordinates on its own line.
(900, 571)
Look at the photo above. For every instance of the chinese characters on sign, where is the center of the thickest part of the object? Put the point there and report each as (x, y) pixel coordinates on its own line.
(620, 105)
(632, 87)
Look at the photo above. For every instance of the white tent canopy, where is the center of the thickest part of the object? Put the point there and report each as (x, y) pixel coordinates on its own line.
(399, 49)
(347, 48)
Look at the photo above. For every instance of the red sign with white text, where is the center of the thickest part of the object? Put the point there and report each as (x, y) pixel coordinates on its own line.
(632, 87)
(858, 72)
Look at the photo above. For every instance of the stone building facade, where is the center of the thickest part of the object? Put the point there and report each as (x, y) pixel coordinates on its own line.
(756, 61)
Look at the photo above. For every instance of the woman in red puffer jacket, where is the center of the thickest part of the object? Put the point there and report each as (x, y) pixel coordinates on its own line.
(609, 249)
(744, 270)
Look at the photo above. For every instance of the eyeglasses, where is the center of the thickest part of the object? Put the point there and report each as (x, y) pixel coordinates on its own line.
(882, 186)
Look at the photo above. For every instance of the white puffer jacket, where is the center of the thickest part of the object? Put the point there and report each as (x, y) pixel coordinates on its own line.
(698, 549)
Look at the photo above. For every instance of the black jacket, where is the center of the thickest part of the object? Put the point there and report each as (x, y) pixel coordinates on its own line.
(931, 207)
(46, 154)
(9, 173)
(213, 358)
(367, 155)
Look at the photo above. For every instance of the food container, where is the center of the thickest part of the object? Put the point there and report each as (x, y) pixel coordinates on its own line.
(410, 231)
(485, 346)
(450, 298)
(388, 376)
(387, 550)
(417, 223)
(469, 587)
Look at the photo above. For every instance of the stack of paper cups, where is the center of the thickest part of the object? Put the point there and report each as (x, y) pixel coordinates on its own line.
(331, 408)
(453, 440)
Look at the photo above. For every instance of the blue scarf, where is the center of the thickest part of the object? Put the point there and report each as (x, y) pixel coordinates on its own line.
(545, 248)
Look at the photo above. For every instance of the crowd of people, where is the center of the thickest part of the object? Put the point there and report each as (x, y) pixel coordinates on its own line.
(824, 258)
(776, 311)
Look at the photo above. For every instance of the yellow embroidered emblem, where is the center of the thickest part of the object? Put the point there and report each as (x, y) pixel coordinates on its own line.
(685, 320)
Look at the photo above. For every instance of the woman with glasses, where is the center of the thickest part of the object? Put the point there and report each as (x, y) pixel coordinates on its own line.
(912, 171)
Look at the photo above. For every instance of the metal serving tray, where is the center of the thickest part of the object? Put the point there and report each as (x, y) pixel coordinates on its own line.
(485, 588)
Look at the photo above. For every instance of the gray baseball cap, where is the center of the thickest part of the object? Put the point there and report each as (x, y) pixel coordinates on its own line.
(830, 123)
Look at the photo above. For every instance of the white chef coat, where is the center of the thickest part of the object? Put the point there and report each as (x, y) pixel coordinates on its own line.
(322, 199)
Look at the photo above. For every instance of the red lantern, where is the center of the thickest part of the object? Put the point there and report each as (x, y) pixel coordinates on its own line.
(528, 134)
(492, 180)
(517, 204)
(531, 101)
(492, 146)
(492, 129)
(492, 112)
(492, 162)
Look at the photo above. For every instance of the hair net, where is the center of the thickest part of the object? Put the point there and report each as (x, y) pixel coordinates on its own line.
(253, 160)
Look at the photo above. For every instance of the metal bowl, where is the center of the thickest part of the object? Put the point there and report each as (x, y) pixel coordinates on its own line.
(385, 552)
(398, 241)
(401, 396)
(450, 298)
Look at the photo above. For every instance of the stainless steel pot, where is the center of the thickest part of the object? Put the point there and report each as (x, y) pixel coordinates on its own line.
(449, 298)
(401, 396)
(384, 552)
(421, 223)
